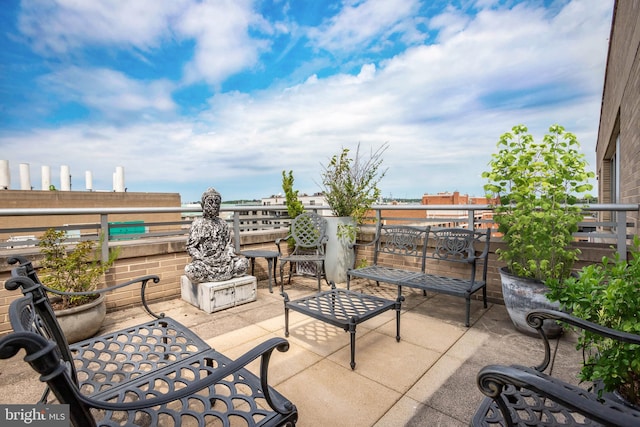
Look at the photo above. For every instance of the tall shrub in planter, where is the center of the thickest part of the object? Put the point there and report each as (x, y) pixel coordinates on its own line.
(350, 187)
(538, 185)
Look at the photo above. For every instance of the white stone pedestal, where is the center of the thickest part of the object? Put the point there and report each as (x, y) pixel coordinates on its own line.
(215, 296)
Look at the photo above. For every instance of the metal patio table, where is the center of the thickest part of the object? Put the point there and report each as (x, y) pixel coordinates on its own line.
(270, 256)
(342, 308)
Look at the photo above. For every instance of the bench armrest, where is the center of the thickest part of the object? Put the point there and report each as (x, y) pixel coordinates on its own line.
(493, 381)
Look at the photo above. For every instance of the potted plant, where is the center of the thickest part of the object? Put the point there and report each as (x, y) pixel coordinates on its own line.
(350, 187)
(536, 186)
(295, 208)
(74, 269)
(607, 294)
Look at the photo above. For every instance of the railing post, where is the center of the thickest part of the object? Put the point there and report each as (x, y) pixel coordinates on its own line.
(104, 237)
(472, 219)
(236, 230)
(621, 234)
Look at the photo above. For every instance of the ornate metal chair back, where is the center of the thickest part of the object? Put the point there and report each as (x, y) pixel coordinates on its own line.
(309, 230)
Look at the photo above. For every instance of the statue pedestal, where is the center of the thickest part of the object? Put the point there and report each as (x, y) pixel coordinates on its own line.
(215, 296)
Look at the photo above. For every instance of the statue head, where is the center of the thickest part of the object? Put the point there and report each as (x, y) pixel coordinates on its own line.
(211, 200)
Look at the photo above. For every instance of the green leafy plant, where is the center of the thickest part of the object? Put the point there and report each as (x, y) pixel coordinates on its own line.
(294, 205)
(538, 186)
(607, 294)
(72, 269)
(351, 185)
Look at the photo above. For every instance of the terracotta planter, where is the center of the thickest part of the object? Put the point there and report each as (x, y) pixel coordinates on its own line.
(522, 295)
(84, 321)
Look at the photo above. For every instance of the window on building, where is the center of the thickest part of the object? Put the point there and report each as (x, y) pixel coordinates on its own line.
(615, 173)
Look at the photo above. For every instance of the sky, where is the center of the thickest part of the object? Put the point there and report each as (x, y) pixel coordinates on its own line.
(191, 94)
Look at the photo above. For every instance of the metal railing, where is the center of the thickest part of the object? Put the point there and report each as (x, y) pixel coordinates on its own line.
(255, 219)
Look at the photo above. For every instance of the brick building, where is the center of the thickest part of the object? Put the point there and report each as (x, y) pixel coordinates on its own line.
(618, 146)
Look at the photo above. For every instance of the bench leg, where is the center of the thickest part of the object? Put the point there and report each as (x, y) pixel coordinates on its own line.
(468, 311)
(484, 296)
(397, 308)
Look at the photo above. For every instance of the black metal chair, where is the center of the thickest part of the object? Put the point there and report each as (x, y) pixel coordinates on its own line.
(309, 233)
(520, 395)
(156, 373)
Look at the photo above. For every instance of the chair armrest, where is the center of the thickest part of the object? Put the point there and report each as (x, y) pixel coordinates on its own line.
(493, 379)
(536, 319)
(262, 351)
(278, 241)
(32, 284)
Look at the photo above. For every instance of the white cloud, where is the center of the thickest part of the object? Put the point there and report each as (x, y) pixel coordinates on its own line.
(219, 28)
(109, 91)
(359, 25)
(223, 44)
(59, 26)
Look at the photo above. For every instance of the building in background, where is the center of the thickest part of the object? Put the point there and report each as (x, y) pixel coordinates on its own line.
(618, 146)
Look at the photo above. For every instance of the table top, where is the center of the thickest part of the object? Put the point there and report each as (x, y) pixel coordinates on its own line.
(341, 307)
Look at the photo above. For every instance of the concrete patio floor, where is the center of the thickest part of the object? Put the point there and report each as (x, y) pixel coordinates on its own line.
(426, 379)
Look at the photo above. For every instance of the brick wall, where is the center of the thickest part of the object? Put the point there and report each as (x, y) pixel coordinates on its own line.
(23, 199)
(168, 258)
(165, 259)
(620, 111)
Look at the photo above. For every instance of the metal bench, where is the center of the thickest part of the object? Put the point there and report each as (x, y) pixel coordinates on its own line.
(407, 246)
(519, 395)
(155, 373)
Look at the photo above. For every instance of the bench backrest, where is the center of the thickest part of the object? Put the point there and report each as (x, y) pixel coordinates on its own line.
(462, 246)
(403, 240)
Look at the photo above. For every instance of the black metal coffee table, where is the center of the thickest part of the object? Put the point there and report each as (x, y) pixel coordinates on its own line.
(342, 308)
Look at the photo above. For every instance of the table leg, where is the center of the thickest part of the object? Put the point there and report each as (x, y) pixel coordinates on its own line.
(352, 333)
(269, 266)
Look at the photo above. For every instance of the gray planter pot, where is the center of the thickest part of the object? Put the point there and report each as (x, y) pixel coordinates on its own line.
(522, 295)
(84, 321)
(339, 257)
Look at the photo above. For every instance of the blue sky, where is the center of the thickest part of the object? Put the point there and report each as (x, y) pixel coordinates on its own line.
(188, 94)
